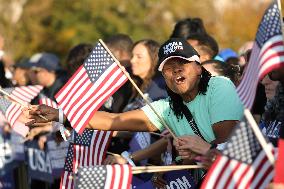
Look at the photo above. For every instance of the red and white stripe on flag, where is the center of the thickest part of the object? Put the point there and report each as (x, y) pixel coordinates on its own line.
(12, 114)
(67, 180)
(228, 173)
(91, 85)
(118, 176)
(267, 54)
(26, 93)
(12, 110)
(93, 154)
(48, 102)
(104, 177)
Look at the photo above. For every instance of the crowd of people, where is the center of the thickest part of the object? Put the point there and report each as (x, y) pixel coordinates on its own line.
(190, 82)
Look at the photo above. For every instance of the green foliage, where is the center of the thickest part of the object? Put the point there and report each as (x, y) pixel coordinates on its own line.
(57, 25)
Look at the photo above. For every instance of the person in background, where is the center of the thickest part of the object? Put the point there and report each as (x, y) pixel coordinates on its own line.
(273, 116)
(48, 73)
(205, 45)
(219, 68)
(45, 70)
(21, 73)
(144, 65)
(120, 45)
(76, 57)
(188, 26)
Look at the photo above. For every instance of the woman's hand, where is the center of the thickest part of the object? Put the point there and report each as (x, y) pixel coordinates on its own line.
(192, 143)
(37, 114)
(117, 159)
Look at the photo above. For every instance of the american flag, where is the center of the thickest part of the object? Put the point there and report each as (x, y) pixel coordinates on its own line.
(243, 164)
(104, 177)
(67, 177)
(91, 85)
(267, 54)
(88, 149)
(12, 110)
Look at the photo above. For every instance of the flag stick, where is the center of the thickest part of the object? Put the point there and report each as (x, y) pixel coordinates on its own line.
(117, 155)
(113, 154)
(152, 169)
(137, 88)
(158, 134)
(18, 101)
(259, 136)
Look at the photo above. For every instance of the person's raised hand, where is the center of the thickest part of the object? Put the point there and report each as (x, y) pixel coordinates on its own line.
(40, 114)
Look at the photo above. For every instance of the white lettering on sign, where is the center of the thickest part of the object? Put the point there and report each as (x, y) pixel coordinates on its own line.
(172, 47)
(182, 183)
(39, 160)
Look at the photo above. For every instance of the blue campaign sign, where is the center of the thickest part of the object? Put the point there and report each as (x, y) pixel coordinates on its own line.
(136, 182)
(17, 145)
(57, 153)
(147, 185)
(175, 180)
(179, 179)
(39, 166)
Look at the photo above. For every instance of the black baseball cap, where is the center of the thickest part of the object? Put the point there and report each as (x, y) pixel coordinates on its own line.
(177, 48)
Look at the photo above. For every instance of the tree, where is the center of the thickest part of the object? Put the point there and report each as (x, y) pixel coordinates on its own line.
(56, 26)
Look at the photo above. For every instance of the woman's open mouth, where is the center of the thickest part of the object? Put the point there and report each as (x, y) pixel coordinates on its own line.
(179, 80)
